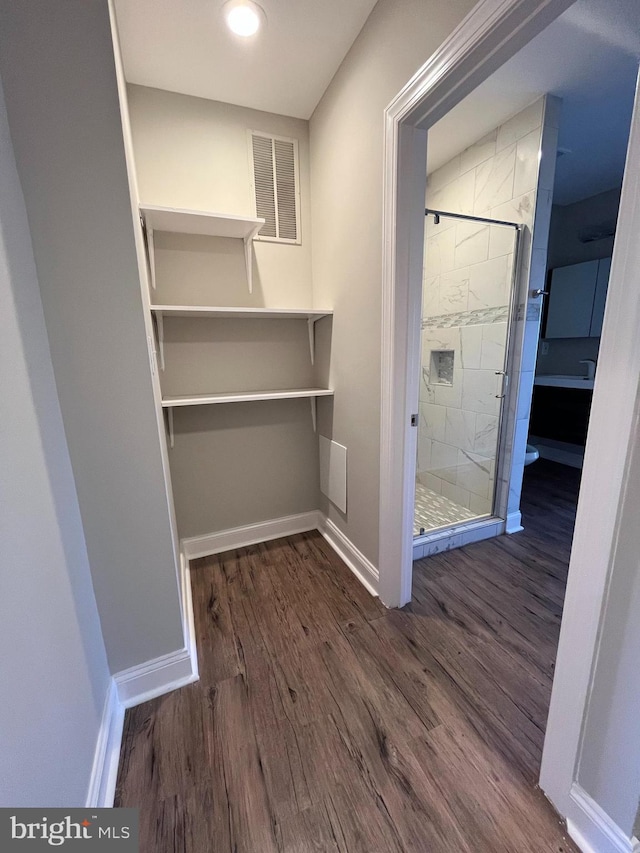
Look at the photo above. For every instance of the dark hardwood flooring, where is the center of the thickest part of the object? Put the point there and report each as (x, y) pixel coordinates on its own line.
(323, 722)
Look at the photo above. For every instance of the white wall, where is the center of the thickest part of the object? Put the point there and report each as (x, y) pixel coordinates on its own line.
(346, 193)
(57, 64)
(54, 673)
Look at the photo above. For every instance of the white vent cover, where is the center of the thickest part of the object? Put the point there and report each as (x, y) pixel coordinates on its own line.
(333, 472)
(274, 161)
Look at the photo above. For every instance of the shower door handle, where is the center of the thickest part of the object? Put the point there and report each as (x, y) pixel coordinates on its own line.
(505, 384)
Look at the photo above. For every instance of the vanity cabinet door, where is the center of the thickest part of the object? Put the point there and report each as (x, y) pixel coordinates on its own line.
(571, 299)
(561, 414)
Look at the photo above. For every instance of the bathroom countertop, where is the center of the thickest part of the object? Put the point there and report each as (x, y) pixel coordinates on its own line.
(566, 381)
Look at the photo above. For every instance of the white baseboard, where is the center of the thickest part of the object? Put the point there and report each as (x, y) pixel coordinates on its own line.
(126, 689)
(188, 621)
(134, 686)
(155, 677)
(239, 537)
(169, 672)
(514, 522)
(361, 567)
(102, 784)
(592, 829)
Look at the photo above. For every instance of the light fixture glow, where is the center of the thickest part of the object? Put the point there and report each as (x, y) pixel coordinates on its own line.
(243, 17)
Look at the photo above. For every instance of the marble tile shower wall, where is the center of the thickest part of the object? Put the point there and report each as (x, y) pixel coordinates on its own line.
(466, 288)
(459, 422)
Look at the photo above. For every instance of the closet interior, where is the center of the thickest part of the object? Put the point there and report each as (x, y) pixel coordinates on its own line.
(239, 350)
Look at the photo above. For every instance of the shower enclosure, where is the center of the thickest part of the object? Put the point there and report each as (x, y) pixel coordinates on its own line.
(467, 303)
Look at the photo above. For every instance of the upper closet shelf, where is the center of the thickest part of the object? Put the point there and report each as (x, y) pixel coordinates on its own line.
(311, 316)
(180, 221)
(202, 222)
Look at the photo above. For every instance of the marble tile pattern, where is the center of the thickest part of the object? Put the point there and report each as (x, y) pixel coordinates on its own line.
(433, 511)
(458, 424)
(442, 367)
(467, 287)
(467, 318)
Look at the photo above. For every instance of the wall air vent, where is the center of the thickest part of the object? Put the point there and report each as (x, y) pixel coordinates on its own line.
(276, 186)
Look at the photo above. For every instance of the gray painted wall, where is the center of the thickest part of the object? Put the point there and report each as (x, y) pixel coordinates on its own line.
(57, 63)
(346, 206)
(54, 674)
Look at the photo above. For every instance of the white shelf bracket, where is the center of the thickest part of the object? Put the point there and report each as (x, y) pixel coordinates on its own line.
(160, 324)
(248, 255)
(248, 259)
(170, 422)
(152, 256)
(314, 416)
(311, 323)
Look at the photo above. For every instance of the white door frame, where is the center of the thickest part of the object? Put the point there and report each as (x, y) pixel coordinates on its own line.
(493, 32)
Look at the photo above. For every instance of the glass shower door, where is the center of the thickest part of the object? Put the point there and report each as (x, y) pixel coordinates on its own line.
(468, 283)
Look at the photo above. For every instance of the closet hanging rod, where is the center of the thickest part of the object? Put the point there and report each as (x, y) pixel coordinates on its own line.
(469, 218)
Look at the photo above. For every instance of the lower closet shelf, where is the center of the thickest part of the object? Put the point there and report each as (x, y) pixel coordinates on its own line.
(170, 403)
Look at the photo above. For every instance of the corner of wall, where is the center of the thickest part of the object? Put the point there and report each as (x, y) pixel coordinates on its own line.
(592, 829)
(102, 783)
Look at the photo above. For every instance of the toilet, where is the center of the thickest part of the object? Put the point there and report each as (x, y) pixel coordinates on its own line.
(531, 454)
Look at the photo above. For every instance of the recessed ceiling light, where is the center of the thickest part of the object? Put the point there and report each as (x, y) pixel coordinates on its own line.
(243, 17)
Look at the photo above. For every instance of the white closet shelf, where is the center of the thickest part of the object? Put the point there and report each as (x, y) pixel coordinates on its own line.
(240, 313)
(202, 222)
(311, 316)
(244, 397)
(311, 394)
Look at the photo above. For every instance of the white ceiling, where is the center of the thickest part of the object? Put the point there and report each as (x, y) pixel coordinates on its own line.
(184, 46)
(589, 57)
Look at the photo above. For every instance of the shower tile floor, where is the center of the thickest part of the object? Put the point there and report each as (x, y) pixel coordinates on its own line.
(433, 511)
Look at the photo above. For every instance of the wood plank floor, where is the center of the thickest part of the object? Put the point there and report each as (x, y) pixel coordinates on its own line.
(323, 722)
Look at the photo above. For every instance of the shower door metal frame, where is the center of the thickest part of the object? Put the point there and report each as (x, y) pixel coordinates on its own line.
(499, 500)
